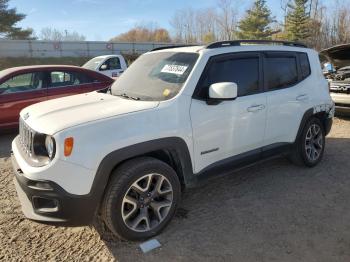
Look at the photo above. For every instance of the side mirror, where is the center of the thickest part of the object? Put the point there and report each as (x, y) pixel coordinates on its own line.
(223, 91)
(103, 67)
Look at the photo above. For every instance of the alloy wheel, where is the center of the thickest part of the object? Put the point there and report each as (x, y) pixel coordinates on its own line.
(147, 202)
(314, 142)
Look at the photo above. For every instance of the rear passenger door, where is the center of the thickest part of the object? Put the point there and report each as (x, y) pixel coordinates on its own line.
(65, 83)
(287, 94)
(230, 128)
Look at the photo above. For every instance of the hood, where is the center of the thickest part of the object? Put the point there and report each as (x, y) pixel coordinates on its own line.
(338, 55)
(55, 115)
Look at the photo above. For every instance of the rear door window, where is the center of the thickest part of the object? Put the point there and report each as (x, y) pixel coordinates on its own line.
(281, 71)
(64, 78)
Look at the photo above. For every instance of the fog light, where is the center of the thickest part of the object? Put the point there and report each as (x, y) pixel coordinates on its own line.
(42, 204)
(41, 186)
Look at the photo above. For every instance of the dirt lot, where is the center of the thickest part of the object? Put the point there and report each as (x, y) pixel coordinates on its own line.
(273, 211)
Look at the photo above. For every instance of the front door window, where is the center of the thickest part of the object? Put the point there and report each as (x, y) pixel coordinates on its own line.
(22, 83)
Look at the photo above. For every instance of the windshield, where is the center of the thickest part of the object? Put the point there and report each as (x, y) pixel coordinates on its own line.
(155, 76)
(93, 63)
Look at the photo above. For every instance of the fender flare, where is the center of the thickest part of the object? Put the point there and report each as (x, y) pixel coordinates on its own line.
(313, 111)
(309, 113)
(113, 159)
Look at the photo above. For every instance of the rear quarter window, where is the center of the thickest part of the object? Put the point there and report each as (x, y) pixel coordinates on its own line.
(304, 65)
(280, 72)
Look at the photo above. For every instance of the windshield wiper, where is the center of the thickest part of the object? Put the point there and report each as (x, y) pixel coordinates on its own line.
(128, 97)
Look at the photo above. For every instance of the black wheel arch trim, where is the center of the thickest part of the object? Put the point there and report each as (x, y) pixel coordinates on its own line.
(175, 145)
(309, 113)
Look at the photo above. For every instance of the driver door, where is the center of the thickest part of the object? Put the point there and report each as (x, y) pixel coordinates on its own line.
(17, 92)
(234, 128)
(111, 67)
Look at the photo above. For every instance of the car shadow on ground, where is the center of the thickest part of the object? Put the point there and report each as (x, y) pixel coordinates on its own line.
(5, 143)
(270, 211)
(343, 116)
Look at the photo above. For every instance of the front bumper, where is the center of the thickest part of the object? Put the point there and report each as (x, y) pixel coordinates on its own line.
(47, 202)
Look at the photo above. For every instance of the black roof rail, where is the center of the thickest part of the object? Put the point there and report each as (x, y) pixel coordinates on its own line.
(169, 46)
(240, 42)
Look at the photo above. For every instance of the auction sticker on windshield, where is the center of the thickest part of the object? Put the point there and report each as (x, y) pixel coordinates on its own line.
(174, 69)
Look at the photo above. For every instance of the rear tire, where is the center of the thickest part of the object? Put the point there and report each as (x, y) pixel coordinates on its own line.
(309, 147)
(140, 200)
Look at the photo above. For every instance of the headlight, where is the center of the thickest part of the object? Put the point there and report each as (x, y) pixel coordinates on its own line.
(50, 146)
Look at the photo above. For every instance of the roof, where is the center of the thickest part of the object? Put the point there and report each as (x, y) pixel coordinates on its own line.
(108, 56)
(241, 42)
(185, 49)
(51, 67)
(230, 44)
(222, 47)
(241, 48)
(20, 68)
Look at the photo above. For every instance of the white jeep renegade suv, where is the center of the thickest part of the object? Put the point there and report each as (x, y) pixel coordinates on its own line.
(176, 115)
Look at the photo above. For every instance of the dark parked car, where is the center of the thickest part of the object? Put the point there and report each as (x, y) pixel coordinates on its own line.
(23, 86)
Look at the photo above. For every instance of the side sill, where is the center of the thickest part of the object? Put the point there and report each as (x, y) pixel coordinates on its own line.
(231, 164)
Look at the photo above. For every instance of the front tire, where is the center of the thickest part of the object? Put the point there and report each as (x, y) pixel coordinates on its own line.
(309, 148)
(140, 199)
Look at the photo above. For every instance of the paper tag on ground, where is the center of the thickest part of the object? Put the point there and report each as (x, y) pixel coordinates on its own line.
(149, 245)
(174, 69)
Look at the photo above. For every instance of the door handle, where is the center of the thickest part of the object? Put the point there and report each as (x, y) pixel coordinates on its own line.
(255, 108)
(302, 97)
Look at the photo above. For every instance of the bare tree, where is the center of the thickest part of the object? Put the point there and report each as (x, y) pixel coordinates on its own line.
(330, 27)
(342, 25)
(206, 25)
(178, 26)
(227, 19)
(189, 26)
(284, 6)
(53, 34)
(183, 22)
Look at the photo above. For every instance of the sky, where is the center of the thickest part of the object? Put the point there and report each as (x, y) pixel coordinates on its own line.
(100, 20)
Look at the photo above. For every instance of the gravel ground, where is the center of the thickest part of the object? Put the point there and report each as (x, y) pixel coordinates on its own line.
(272, 211)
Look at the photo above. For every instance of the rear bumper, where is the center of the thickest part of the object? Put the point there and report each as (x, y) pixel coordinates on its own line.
(342, 102)
(47, 202)
(342, 109)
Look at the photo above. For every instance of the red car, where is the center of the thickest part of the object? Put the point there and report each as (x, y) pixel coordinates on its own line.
(23, 86)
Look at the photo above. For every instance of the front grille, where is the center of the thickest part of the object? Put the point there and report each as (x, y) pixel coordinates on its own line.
(26, 137)
(342, 89)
